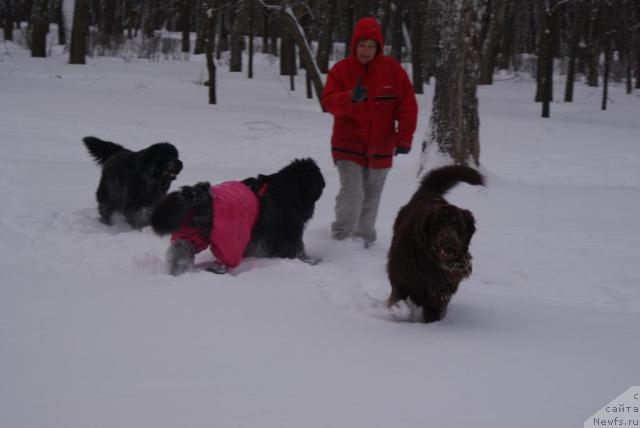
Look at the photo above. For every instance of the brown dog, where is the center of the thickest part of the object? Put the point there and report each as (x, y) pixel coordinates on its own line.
(429, 253)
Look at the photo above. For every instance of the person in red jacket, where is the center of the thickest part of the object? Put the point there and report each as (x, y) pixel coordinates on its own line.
(375, 111)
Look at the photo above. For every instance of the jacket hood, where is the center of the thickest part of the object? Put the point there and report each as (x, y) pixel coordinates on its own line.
(367, 28)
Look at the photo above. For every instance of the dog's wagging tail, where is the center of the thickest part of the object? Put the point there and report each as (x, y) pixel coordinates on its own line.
(441, 180)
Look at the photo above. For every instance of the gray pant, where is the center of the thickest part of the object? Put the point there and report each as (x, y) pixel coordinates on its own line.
(357, 201)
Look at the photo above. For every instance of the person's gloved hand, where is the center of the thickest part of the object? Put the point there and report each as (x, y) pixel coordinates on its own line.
(358, 93)
(402, 150)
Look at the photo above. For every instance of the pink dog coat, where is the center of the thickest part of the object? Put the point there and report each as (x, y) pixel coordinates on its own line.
(235, 210)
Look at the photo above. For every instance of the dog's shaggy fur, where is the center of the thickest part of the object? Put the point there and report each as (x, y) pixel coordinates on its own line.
(429, 254)
(132, 182)
(287, 202)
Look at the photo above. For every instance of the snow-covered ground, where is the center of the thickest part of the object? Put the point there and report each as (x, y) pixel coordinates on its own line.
(94, 333)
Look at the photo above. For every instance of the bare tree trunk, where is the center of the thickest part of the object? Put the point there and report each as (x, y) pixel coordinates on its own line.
(416, 22)
(79, 32)
(546, 28)
(491, 42)
(637, 45)
(576, 31)
(209, 40)
(594, 46)
(186, 25)
(8, 20)
(306, 53)
(62, 25)
(250, 29)
(396, 31)
(325, 42)
(628, 40)
(606, 50)
(454, 123)
(39, 28)
(506, 50)
(349, 23)
(287, 52)
(223, 34)
(237, 39)
(201, 27)
(431, 39)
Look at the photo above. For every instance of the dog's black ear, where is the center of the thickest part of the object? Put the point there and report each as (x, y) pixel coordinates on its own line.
(470, 222)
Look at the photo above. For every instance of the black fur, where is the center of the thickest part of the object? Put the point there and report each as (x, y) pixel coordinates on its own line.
(287, 201)
(286, 206)
(429, 253)
(171, 211)
(132, 182)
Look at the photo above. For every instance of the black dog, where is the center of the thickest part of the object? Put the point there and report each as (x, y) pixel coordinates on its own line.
(429, 253)
(286, 202)
(132, 182)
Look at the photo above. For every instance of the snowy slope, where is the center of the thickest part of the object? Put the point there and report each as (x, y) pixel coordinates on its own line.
(93, 333)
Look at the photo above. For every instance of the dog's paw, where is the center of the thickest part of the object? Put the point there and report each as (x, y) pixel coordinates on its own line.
(309, 260)
(179, 257)
(217, 267)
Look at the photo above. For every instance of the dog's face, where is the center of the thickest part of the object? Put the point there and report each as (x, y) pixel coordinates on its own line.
(448, 231)
(159, 162)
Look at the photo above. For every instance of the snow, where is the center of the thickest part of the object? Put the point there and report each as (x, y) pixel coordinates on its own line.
(94, 333)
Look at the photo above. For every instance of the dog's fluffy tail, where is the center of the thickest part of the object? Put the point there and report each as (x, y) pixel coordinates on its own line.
(441, 180)
(101, 150)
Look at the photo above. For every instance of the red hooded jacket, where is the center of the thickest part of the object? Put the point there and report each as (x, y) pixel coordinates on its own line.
(368, 132)
(235, 210)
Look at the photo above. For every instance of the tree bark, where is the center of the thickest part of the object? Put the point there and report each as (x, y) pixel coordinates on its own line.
(251, 18)
(62, 25)
(349, 24)
(396, 31)
(294, 28)
(546, 24)
(287, 52)
(594, 46)
(606, 50)
(430, 39)
(237, 38)
(186, 25)
(79, 32)
(209, 40)
(576, 32)
(8, 20)
(416, 22)
(325, 42)
(39, 28)
(201, 27)
(454, 123)
(491, 43)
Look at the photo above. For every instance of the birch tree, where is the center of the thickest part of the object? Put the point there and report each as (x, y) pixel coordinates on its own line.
(454, 123)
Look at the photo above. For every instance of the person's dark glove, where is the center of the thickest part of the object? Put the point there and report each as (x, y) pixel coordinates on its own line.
(358, 93)
(402, 150)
